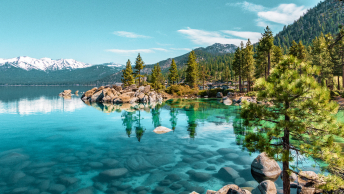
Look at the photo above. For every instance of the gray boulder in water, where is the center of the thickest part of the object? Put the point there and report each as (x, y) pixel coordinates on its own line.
(265, 187)
(265, 168)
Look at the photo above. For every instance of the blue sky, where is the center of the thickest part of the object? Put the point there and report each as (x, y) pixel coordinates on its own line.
(95, 32)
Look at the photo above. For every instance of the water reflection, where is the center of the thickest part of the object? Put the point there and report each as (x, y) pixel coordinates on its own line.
(196, 111)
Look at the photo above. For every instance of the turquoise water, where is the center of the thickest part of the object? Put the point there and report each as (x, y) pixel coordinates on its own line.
(56, 145)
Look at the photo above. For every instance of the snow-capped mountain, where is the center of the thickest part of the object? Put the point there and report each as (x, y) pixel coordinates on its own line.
(44, 64)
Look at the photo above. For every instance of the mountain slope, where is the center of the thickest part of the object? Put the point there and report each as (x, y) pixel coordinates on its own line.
(213, 53)
(323, 18)
(14, 75)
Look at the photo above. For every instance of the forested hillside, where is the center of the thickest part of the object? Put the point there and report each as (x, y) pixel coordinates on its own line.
(324, 18)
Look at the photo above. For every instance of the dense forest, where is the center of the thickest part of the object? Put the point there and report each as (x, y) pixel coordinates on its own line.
(324, 18)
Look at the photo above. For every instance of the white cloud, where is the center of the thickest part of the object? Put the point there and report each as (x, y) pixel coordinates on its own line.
(129, 34)
(135, 51)
(203, 37)
(283, 14)
(248, 6)
(253, 36)
(160, 49)
(181, 49)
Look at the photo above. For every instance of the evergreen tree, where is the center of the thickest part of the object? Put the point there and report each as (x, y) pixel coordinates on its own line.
(261, 61)
(192, 70)
(127, 75)
(157, 78)
(173, 73)
(293, 50)
(300, 118)
(249, 64)
(321, 58)
(267, 44)
(139, 65)
(301, 51)
(203, 75)
(238, 64)
(277, 55)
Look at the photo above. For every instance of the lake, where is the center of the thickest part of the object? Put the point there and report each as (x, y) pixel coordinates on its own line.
(56, 145)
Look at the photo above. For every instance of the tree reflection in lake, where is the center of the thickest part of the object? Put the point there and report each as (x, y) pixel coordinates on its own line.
(196, 111)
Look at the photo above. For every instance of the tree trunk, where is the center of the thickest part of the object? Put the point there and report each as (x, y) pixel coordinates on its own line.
(338, 82)
(269, 62)
(265, 73)
(239, 84)
(139, 78)
(248, 85)
(343, 68)
(286, 179)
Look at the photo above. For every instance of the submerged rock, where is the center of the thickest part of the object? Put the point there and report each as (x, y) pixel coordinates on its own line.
(161, 130)
(201, 176)
(265, 168)
(113, 173)
(228, 174)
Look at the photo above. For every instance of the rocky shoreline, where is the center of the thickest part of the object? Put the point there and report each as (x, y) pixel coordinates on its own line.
(119, 95)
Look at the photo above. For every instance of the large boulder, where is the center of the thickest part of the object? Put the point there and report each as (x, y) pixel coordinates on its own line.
(141, 88)
(97, 96)
(231, 189)
(147, 89)
(265, 168)
(227, 101)
(308, 181)
(228, 174)
(161, 130)
(265, 187)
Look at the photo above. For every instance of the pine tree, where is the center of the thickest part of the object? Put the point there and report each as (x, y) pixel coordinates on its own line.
(301, 51)
(301, 118)
(203, 75)
(238, 64)
(261, 61)
(157, 78)
(267, 44)
(139, 65)
(277, 55)
(293, 50)
(173, 73)
(192, 70)
(248, 65)
(127, 74)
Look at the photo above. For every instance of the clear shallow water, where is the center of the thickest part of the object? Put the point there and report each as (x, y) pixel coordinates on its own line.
(55, 145)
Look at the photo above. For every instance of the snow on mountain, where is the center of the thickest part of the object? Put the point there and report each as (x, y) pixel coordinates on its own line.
(44, 64)
(111, 64)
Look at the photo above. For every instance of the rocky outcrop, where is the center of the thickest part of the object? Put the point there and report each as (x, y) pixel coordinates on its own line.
(161, 130)
(265, 168)
(66, 93)
(308, 181)
(265, 187)
(119, 95)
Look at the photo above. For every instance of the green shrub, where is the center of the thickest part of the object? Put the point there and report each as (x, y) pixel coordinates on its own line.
(251, 94)
(181, 90)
